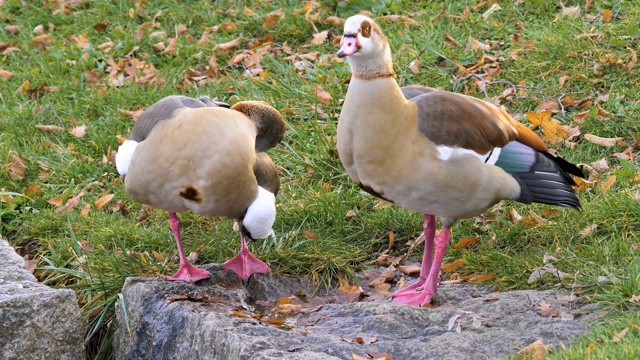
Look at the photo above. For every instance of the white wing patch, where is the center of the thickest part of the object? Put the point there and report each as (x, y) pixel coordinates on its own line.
(445, 153)
(123, 157)
(261, 214)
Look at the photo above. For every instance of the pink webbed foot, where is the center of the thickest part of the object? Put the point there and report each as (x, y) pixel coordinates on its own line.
(190, 273)
(245, 263)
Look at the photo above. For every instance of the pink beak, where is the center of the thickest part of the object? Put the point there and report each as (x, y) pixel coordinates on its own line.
(348, 45)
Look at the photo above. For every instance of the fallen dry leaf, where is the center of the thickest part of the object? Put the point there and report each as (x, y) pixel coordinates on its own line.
(607, 14)
(103, 200)
(608, 183)
(536, 350)
(587, 230)
(5, 75)
(407, 21)
(272, 18)
(607, 142)
(334, 20)
(410, 270)
(466, 242)
(473, 44)
(618, 336)
(480, 278)
(12, 29)
(349, 293)
(49, 128)
(133, 114)
(85, 210)
(230, 45)
(319, 38)
(78, 131)
(16, 167)
(324, 97)
(545, 310)
(453, 266)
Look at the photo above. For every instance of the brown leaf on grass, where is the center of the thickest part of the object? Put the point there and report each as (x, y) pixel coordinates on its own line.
(309, 234)
(480, 278)
(106, 46)
(78, 131)
(618, 336)
(71, 203)
(602, 141)
(324, 97)
(536, 350)
(12, 29)
(55, 201)
(405, 20)
(587, 230)
(85, 210)
(635, 298)
(581, 116)
(133, 114)
(5, 75)
(473, 44)
(453, 266)
(545, 310)
(171, 47)
(349, 293)
(272, 18)
(319, 38)
(16, 168)
(41, 41)
(551, 129)
(451, 40)
(608, 184)
(103, 200)
(334, 20)
(550, 105)
(570, 11)
(466, 242)
(229, 26)
(602, 113)
(634, 60)
(101, 25)
(607, 14)
(32, 190)
(414, 66)
(49, 128)
(230, 45)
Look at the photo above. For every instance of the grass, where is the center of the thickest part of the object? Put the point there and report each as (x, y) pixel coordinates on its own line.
(94, 252)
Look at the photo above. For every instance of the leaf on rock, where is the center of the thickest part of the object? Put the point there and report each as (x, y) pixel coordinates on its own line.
(349, 293)
(410, 270)
(536, 350)
(466, 242)
(545, 310)
(480, 278)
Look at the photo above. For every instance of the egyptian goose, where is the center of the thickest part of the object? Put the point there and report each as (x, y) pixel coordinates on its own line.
(436, 152)
(199, 155)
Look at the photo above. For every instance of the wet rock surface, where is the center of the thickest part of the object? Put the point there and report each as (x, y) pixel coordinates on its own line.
(36, 321)
(282, 318)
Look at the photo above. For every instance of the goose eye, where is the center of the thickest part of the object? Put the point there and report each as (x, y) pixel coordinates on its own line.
(365, 29)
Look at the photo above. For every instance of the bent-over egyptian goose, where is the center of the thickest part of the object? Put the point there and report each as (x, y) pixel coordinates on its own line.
(199, 155)
(436, 152)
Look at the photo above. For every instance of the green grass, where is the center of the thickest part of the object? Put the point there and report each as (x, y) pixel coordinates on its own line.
(93, 254)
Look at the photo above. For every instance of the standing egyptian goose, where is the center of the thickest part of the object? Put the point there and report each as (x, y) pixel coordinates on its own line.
(197, 154)
(436, 152)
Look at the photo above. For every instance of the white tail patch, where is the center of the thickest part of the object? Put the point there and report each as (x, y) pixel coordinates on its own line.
(261, 214)
(445, 153)
(123, 157)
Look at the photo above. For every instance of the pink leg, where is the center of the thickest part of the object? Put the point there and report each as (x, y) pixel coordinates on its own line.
(422, 296)
(429, 233)
(187, 272)
(245, 264)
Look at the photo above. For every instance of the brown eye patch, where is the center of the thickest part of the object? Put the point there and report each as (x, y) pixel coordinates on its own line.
(365, 29)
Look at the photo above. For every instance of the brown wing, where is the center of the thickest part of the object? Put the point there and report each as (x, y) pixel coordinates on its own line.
(412, 91)
(463, 121)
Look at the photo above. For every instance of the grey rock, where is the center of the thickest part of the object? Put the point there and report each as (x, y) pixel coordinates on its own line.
(36, 321)
(173, 320)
